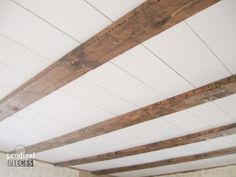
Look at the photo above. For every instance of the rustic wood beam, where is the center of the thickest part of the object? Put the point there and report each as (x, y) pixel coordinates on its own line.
(166, 162)
(149, 19)
(183, 140)
(210, 92)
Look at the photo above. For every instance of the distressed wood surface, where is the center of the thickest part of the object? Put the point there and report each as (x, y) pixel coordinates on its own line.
(210, 92)
(183, 140)
(147, 20)
(166, 162)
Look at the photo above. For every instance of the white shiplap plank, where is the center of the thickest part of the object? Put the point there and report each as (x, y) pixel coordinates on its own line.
(186, 121)
(115, 9)
(9, 141)
(4, 90)
(135, 135)
(223, 142)
(203, 146)
(27, 29)
(74, 17)
(16, 131)
(216, 26)
(83, 89)
(89, 147)
(228, 104)
(11, 78)
(147, 67)
(84, 113)
(212, 114)
(28, 129)
(21, 59)
(174, 152)
(54, 112)
(122, 84)
(194, 165)
(164, 128)
(44, 108)
(35, 118)
(138, 159)
(181, 49)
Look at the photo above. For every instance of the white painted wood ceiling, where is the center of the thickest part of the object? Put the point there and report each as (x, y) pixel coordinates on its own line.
(198, 51)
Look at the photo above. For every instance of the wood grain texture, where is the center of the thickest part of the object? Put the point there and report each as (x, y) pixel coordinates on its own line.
(183, 140)
(147, 20)
(83, 173)
(166, 162)
(210, 92)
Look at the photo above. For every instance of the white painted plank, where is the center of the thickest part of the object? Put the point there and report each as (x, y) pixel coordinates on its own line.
(4, 90)
(85, 113)
(74, 17)
(85, 90)
(186, 121)
(194, 165)
(228, 104)
(11, 78)
(27, 29)
(145, 66)
(122, 84)
(135, 135)
(115, 9)
(138, 159)
(212, 114)
(181, 49)
(164, 128)
(216, 26)
(21, 59)
(89, 147)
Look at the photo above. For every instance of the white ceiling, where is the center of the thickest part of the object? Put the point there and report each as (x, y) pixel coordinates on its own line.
(179, 151)
(216, 27)
(194, 165)
(34, 34)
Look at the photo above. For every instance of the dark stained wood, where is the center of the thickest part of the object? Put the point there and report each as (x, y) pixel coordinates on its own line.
(166, 162)
(210, 92)
(183, 140)
(147, 20)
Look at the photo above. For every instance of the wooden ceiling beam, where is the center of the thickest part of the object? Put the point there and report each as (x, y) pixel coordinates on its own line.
(210, 92)
(166, 162)
(170, 143)
(149, 19)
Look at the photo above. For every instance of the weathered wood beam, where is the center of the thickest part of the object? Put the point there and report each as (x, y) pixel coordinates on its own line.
(210, 92)
(166, 162)
(183, 140)
(147, 20)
